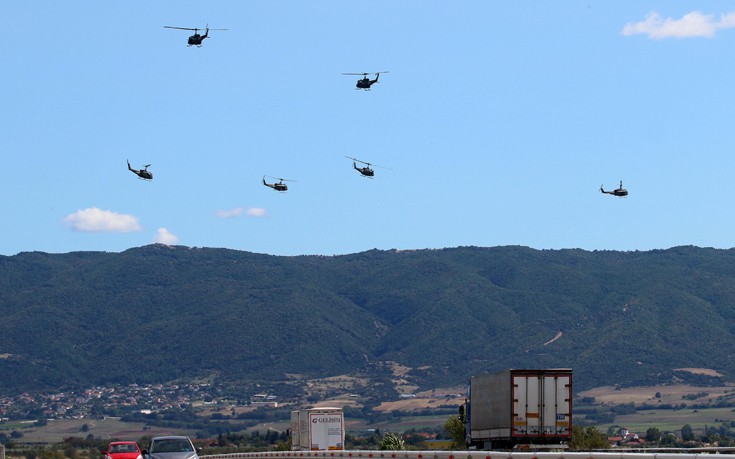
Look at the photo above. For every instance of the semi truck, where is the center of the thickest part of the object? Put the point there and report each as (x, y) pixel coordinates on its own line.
(512, 408)
(317, 429)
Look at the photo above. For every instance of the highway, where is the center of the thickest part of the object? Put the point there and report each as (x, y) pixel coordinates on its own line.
(471, 455)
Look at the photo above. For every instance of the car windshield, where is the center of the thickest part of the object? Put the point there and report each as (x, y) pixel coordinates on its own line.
(123, 449)
(171, 445)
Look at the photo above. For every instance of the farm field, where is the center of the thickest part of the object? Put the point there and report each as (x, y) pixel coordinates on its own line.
(672, 420)
(108, 428)
(672, 394)
(399, 424)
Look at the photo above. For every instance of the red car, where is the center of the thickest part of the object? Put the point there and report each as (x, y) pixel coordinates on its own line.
(123, 450)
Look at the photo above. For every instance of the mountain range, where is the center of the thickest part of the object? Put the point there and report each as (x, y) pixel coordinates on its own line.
(160, 313)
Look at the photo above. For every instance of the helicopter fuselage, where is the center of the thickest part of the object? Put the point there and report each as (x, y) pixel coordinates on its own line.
(365, 83)
(196, 39)
(278, 186)
(619, 192)
(142, 173)
(366, 171)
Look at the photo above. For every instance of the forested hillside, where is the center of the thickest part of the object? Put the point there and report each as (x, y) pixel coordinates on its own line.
(158, 313)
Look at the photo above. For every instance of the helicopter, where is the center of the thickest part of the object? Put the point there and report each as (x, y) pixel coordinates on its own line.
(620, 192)
(365, 171)
(278, 186)
(196, 39)
(365, 82)
(143, 174)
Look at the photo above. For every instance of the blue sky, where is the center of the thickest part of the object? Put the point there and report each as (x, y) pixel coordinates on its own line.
(498, 121)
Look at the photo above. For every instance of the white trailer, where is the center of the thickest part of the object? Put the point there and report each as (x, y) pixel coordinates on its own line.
(318, 429)
(514, 407)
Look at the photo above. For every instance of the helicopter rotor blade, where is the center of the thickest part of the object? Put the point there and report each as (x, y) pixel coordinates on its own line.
(355, 159)
(367, 163)
(179, 28)
(365, 74)
(281, 179)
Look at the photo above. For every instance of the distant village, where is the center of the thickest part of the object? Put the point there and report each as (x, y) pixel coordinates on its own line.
(119, 399)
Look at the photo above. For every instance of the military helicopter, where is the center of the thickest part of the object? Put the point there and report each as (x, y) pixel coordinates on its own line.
(365, 171)
(143, 174)
(278, 186)
(196, 39)
(620, 192)
(365, 82)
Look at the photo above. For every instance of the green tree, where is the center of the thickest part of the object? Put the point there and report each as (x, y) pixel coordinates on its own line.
(668, 439)
(455, 428)
(687, 434)
(392, 442)
(587, 438)
(653, 435)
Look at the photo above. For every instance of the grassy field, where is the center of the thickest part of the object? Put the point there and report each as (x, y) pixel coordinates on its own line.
(110, 429)
(354, 426)
(672, 394)
(673, 420)
(399, 425)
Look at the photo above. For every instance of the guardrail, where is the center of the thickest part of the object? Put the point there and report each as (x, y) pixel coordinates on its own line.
(467, 455)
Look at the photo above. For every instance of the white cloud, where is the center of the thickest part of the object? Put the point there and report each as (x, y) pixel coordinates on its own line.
(250, 212)
(94, 220)
(256, 212)
(694, 24)
(229, 213)
(164, 236)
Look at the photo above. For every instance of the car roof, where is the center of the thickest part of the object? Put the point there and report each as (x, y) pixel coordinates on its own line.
(170, 437)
